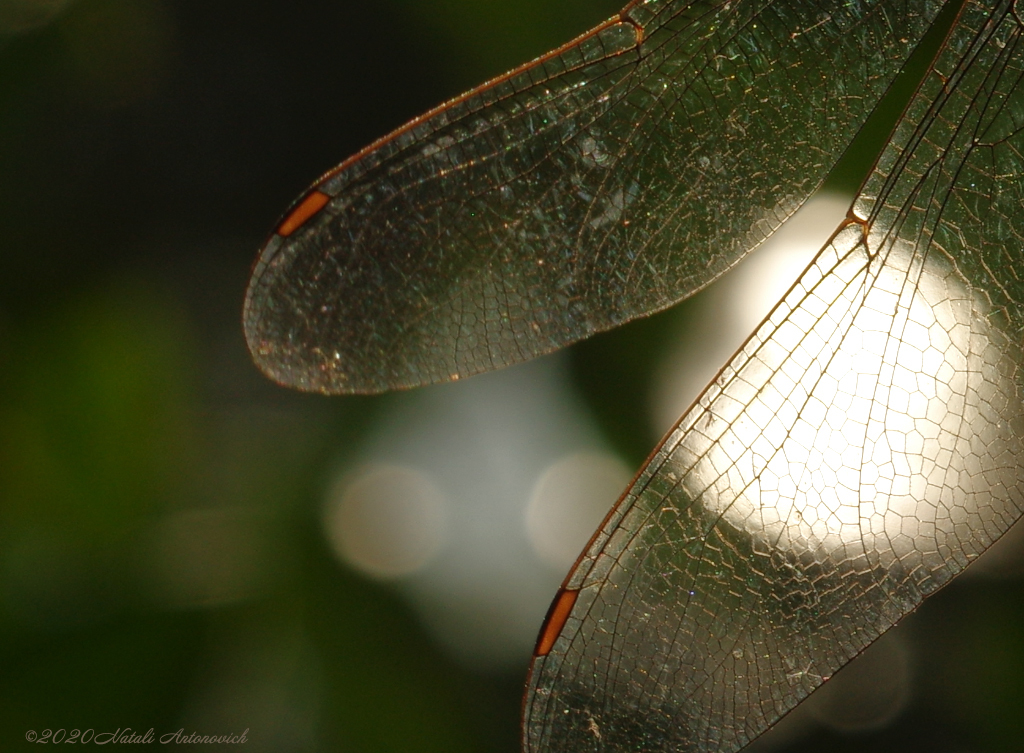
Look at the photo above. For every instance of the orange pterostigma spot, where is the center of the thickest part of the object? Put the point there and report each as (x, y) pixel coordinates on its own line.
(555, 621)
(313, 203)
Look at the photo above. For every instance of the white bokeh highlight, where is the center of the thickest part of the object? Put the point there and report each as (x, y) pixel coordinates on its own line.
(387, 520)
(569, 501)
(474, 454)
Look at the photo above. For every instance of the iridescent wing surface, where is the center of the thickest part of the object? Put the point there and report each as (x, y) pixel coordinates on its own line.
(861, 449)
(602, 182)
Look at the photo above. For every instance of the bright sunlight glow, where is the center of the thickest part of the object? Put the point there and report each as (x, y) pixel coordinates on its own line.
(884, 417)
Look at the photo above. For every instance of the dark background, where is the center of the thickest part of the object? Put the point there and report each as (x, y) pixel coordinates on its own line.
(146, 148)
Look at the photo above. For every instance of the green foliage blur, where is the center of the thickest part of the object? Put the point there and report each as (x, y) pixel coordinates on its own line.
(161, 556)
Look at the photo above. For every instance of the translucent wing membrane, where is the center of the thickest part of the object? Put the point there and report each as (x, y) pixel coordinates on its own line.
(600, 183)
(860, 451)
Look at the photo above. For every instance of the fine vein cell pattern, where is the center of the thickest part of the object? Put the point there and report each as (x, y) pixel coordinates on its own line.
(600, 183)
(862, 448)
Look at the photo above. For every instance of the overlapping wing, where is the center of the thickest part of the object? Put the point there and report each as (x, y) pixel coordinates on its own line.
(862, 448)
(602, 182)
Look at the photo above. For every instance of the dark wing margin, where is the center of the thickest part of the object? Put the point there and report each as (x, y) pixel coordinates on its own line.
(863, 447)
(600, 183)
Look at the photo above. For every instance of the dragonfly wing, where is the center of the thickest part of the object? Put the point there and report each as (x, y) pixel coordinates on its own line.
(863, 447)
(602, 182)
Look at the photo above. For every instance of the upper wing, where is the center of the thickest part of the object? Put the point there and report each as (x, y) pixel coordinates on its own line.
(602, 182)
(862, 448)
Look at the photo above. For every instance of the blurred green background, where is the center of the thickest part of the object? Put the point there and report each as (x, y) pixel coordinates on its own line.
(163, 555)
